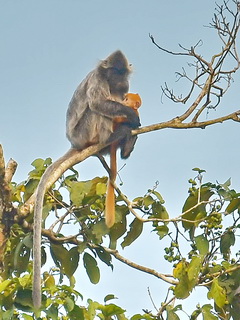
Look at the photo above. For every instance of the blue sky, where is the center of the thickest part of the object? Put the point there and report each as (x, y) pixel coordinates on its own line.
(48, 47)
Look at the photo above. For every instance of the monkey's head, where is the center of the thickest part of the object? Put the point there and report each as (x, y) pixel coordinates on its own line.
(116, 70)
(132, 100)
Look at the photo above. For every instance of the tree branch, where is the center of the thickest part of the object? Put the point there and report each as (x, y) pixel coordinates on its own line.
(176, 123)
(73, 240)
(139, 267)
(69, 159)
(215, 75)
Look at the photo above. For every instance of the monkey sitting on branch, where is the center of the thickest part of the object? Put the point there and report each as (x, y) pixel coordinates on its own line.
(90, 119)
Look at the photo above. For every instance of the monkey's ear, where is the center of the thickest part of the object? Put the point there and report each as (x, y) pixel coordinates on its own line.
(116, 60)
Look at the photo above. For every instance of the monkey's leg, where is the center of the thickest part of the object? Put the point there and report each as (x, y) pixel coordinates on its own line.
(127, 146)
(126, 141)
(122, 131)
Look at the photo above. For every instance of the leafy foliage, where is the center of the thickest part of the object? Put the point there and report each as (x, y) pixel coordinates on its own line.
(202, 242)
(210, 261)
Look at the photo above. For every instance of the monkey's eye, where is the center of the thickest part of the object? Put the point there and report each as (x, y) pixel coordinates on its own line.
(119, 71)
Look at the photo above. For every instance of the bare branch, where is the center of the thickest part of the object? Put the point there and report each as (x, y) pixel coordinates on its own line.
(176, 123)
(214, 77)
(166, 278)
(165, 50)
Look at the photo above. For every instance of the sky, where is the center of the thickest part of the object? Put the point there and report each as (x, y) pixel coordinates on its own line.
(48, 47)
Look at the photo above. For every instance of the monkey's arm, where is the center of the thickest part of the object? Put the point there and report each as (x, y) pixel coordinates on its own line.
(112, 109)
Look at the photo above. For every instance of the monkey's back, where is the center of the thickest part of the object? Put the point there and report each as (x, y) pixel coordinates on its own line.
(85, 126)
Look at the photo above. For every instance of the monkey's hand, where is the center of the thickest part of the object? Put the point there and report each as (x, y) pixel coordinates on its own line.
(112, 109)
(133, 124)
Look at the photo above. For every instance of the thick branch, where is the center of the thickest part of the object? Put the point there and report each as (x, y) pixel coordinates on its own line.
(175, 123)
(6, 208)
(10, 170)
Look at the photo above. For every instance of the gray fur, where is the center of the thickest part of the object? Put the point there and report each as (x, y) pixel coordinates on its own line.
(91, 111)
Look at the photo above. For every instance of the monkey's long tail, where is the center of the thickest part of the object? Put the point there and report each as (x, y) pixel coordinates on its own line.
(110, 196)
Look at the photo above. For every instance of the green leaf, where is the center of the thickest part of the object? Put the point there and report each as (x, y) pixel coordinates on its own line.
(235, 307)
(52, 312)
(4, 285)
(69, 304)
(7, 314)
(193, 211)
(159, 211)
(23, 300)
(91, 267)
(148, 200)
(227, 240)
(71, 177)
(66, 260)
(158, 195)
(30, 187)
(24, 281)
(25, 317)
(171, 315)
(49, 280)
(92, 306)
(101, 188)
(59, 254)
(136, 228)
(21, 257)
(81, 247)
(70, 263)
(104, 256)
(78, 190)
(17, 191)
(182, 289)
(206, 312)
(111, 310)
(202, 244)
(233, 205)
(99, 230)
(28, 241)
(109, 297)
(40, 166)
(218, 294)
(77, 314)
(162, 231)
(194, 269)
(198, 170)
(142, 317)
(226, 184)
(38, 163)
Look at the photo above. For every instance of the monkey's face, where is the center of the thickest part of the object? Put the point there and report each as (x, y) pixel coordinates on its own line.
(118, 81)
(115, 70)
